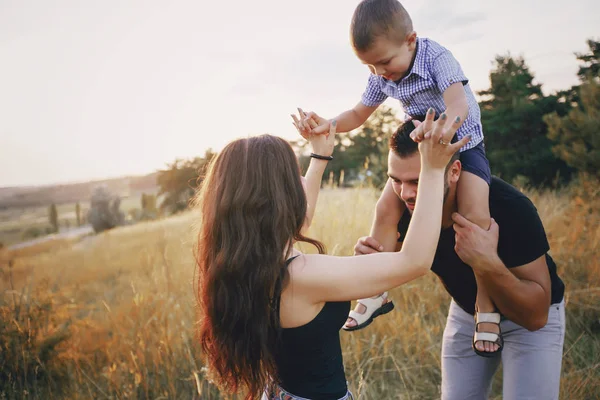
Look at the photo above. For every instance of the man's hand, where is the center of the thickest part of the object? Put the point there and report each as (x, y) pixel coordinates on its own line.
(367, 245)
(477, 247)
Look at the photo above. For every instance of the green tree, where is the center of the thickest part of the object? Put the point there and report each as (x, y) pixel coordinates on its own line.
(78, 214)
(179, 181)
(590, 62)
(512, 113)
(53, 217)
(577, 135)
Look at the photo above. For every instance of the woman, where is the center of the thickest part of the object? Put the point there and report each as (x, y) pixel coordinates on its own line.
(270, 315)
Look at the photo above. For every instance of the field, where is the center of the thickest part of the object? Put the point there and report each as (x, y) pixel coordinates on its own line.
(21, 223)
(112, 316)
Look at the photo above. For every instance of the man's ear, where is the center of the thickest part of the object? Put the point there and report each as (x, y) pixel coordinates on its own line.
(454, 171)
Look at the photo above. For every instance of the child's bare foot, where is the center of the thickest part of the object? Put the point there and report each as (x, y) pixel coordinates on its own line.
(366, 310)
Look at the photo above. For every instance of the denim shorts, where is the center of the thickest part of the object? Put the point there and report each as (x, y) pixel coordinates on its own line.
(280, 393)
(475, 162)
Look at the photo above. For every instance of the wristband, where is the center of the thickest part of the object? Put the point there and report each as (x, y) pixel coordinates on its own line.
(320, 157)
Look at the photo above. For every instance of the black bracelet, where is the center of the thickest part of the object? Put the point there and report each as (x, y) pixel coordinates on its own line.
(320, 157)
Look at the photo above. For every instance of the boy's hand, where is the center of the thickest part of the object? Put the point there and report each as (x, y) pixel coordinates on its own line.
(312, 123)
(323, 125)
(303, 124)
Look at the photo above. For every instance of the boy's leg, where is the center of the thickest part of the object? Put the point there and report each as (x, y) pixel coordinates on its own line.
(531, 361)
(388, 211)
(473, 203)
(465, 375)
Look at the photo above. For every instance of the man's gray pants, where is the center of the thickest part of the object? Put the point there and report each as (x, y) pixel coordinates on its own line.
(531, 361)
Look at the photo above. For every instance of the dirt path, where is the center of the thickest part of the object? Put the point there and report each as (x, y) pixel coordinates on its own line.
(66, 234)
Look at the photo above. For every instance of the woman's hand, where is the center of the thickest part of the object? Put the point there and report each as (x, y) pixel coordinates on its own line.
(321, 144)
(435, 148)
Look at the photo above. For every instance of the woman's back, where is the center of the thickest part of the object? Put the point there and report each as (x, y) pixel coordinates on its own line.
(309, 357)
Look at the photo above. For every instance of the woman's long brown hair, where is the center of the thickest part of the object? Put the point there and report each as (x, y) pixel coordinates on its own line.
(252, 207)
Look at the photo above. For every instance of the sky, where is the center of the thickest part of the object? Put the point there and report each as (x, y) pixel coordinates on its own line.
(98, 89)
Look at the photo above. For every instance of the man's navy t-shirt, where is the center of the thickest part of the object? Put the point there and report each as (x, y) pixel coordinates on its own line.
(522, 240)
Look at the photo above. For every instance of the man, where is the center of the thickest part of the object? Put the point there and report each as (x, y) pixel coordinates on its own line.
(511, 260)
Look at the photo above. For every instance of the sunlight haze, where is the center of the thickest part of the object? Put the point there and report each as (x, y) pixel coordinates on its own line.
(96, 89)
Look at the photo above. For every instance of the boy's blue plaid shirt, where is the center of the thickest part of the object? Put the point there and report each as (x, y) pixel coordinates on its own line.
(433, 71)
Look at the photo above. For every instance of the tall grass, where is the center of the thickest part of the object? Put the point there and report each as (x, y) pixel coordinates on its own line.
(112, 316)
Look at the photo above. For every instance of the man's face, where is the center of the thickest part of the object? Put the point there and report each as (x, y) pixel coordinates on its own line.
(389, 59)
(404, 173)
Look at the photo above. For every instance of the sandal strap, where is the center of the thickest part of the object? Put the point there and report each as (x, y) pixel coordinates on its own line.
(371, 305)
(359, 318)
(486, 337)
(493, 317)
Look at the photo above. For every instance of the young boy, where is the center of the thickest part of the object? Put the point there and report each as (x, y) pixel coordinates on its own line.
(421, 74)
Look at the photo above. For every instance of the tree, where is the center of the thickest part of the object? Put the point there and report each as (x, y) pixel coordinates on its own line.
(53, 217)
(590, 68)
(104, 212)
(148, 210)
(515, 133)
(78, 214)
(179, 181)
(511, 83)
(577, 135)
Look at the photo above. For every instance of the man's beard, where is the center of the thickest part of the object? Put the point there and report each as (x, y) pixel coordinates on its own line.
(414, 199)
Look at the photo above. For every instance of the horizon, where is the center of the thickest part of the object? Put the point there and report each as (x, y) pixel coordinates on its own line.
(109, 90)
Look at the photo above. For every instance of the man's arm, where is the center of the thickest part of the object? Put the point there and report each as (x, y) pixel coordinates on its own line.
(522, 294)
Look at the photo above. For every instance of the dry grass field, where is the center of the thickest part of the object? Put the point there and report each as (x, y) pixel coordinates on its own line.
(112, 316)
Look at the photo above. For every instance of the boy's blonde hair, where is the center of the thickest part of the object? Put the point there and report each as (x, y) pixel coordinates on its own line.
(376, 18)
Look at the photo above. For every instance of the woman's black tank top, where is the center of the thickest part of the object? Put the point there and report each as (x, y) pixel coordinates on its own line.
(309, 357)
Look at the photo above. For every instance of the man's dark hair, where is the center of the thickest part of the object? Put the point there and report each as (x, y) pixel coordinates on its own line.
(375, 18)
(402, 144)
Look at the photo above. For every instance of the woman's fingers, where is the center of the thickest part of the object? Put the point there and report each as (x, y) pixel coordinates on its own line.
(438, 128)
(332, 127)
(421, 129)
(428, 124)
(299, 127)
(448, 134)
(454, 147)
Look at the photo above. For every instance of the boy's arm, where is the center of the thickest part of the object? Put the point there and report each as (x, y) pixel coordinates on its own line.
(456, 101)
(346, 121)
(388, 211)
(372, 97)
(456, 104)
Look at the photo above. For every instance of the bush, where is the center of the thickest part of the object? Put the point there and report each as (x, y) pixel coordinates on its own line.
(32, 232)
(105, 210)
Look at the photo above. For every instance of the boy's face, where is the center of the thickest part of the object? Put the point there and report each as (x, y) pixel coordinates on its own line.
(388, 58)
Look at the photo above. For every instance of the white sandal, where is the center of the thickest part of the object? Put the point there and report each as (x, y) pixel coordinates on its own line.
(374, 308)
(496, 338)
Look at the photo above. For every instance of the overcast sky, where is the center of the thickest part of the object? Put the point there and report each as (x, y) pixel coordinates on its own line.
(95, 89)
